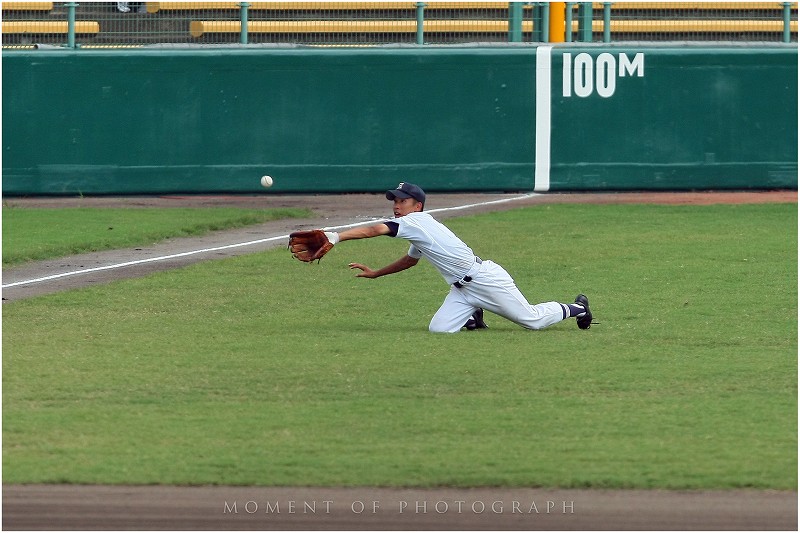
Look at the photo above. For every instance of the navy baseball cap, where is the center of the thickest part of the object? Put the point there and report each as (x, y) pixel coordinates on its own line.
(406, 190)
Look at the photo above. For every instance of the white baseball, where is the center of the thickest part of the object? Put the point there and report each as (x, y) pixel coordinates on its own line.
(266, 181)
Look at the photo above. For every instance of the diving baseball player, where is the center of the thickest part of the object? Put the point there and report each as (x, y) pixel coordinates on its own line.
(475, 284)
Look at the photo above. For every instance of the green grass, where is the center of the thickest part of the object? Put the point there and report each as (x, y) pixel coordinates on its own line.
(262, 370)
(34, 234)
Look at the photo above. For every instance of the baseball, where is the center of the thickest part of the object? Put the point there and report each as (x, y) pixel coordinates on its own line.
(266, 181)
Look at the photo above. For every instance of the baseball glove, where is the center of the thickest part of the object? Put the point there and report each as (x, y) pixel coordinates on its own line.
(309, 245)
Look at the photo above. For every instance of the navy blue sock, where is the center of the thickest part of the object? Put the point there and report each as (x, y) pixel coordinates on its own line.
(575, 310)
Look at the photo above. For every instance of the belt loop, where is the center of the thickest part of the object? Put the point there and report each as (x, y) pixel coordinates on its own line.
(460, 283)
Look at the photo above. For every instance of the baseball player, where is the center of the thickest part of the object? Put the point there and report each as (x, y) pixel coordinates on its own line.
(475, 284)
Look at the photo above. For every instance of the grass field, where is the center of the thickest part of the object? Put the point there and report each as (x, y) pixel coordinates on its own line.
(261, 370)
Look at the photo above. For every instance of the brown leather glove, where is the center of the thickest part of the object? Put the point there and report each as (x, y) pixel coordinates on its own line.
(309, 245)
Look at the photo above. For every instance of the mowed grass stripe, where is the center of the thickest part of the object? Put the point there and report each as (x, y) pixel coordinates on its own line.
(260, 370)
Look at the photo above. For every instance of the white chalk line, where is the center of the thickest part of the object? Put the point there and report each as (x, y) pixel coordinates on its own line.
(238, 245)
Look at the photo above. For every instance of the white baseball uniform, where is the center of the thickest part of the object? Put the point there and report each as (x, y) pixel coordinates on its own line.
(474, 283)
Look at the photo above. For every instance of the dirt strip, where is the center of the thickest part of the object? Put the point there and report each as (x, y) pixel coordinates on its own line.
(65, 507)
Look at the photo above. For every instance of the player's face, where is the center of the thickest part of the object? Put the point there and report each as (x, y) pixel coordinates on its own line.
(404, 206)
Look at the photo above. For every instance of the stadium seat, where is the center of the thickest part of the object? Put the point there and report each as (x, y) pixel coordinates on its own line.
(49, 26)
(27, 6)
(154, 7)
(202, 27)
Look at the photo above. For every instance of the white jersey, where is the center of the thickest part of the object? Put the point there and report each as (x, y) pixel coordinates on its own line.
(435, 242)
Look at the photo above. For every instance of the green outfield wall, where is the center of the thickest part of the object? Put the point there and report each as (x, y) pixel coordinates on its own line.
(214, 120)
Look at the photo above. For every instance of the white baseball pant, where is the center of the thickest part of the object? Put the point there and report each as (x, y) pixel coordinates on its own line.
(492, 289)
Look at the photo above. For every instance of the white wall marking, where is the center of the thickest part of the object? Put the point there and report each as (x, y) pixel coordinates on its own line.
(541, 180)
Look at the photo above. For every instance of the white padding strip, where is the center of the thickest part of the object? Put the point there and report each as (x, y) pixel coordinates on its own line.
(543, 79)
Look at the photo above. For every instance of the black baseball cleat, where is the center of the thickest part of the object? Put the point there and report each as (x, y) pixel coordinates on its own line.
(585, 321)
(476, 322)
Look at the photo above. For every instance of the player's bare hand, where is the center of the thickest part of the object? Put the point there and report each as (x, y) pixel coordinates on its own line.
(366, 272)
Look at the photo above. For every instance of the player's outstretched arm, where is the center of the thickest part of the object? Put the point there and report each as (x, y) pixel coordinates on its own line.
(364, 232)
(311, 245)
(401, 264)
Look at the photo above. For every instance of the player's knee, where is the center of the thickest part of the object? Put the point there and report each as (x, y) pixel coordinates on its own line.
(440, 326)
(534, 327)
